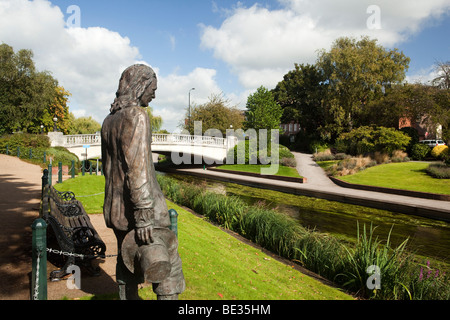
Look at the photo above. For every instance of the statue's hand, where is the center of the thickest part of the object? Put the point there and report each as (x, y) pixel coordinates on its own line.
(145, 234)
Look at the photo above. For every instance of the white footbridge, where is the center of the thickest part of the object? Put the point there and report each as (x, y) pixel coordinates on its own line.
(182, 148)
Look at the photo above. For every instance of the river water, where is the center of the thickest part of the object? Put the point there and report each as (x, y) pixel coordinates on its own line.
(426, 237)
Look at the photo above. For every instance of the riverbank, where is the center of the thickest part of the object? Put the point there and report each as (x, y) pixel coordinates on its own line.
(428, 208)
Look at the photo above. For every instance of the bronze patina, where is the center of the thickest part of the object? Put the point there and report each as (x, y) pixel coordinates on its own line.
(135, 207)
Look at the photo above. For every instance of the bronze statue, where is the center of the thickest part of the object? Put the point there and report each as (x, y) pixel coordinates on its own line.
(135, 207)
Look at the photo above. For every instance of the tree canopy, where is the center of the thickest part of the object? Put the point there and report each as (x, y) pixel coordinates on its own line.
(263, 112)
(216, 113)
(28, 98)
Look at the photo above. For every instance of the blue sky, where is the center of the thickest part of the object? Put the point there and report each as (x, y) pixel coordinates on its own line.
(221, 46)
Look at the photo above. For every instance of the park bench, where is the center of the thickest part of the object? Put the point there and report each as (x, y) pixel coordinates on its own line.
(73, 231)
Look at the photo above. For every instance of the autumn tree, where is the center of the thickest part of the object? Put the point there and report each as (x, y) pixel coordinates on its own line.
(357, 72)
(25, 93)
(28, 98)
(217, 113)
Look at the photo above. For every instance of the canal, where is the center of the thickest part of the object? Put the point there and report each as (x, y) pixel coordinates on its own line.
(427, 237)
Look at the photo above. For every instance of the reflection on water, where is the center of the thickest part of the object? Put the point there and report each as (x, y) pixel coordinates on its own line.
(426, 237)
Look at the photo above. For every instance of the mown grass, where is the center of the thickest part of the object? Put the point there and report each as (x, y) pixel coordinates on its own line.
(256, 168)
(216, 265)
(406, 175)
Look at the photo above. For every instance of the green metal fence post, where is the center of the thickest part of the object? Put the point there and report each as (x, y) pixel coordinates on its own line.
(45, 157)
(44, 180)
(7, 149)
(60, 172)
(18, 152)
(31, 153)
(73, 169)
(173, 221)
(82, 168)
(39, 260)
(50, 174)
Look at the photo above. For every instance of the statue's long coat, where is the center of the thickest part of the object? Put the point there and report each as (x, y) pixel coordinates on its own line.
(130, 177)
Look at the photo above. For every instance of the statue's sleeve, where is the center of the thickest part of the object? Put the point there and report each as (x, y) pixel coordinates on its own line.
(136, 154)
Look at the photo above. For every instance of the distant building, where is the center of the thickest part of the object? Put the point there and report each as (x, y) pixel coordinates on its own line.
(290, 129)
(424, 127)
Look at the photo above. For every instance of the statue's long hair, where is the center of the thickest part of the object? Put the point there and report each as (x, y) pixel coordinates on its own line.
(133, 83)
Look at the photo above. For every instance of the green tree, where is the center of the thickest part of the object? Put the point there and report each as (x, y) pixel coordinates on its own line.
(156, 121)
(300, 95)
(369, 139)
(83, 125)
(215, 114)
(24, 92)
(263, 112)
(357, 73)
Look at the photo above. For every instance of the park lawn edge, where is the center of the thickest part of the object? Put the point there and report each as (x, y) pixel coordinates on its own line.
(255, 168)
(219, 266)
(409, 176)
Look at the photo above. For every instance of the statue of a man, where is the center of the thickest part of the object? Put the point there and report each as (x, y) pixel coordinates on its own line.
(135, 207)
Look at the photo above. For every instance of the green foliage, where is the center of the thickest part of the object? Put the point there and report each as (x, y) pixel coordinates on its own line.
(250, 152)
(26, 95)
(323, 254)
(358, 72)
(300, 94)
(84, 125)
(23, 140)
(215, 114)
(263, 112)
(364, 140)
(419, 151)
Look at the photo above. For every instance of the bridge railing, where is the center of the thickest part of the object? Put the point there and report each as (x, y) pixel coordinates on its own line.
(186, 139)
(82, 139)
(175, 139)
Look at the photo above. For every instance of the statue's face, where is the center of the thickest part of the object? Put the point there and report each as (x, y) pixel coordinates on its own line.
(149, 94)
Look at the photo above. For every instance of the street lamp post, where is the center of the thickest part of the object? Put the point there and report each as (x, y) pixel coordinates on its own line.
(55, 119)
(190, 110)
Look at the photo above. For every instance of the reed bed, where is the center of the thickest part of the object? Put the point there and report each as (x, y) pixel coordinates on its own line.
(348, 265)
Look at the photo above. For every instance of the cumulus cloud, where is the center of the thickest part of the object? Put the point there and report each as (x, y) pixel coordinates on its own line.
(261, 44)
(88, 62)
(172, 96)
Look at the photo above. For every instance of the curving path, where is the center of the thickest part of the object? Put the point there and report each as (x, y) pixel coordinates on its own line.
(20, 193)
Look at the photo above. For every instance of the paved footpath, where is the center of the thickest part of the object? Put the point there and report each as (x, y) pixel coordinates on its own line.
(20, 192)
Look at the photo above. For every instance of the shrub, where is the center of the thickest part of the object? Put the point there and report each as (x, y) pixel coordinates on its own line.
(324, 155)
(318, 146)
(351, 166)
(439, 152)
(246, 151)
(364, 140)
(381, 158)
(399, 156)
(439, 170)
(419, 151)
(289, 162)
(23, 140)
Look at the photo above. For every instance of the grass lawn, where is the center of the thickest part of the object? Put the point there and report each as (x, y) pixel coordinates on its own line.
(405, 175)
(256, 168)
(216, 265)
